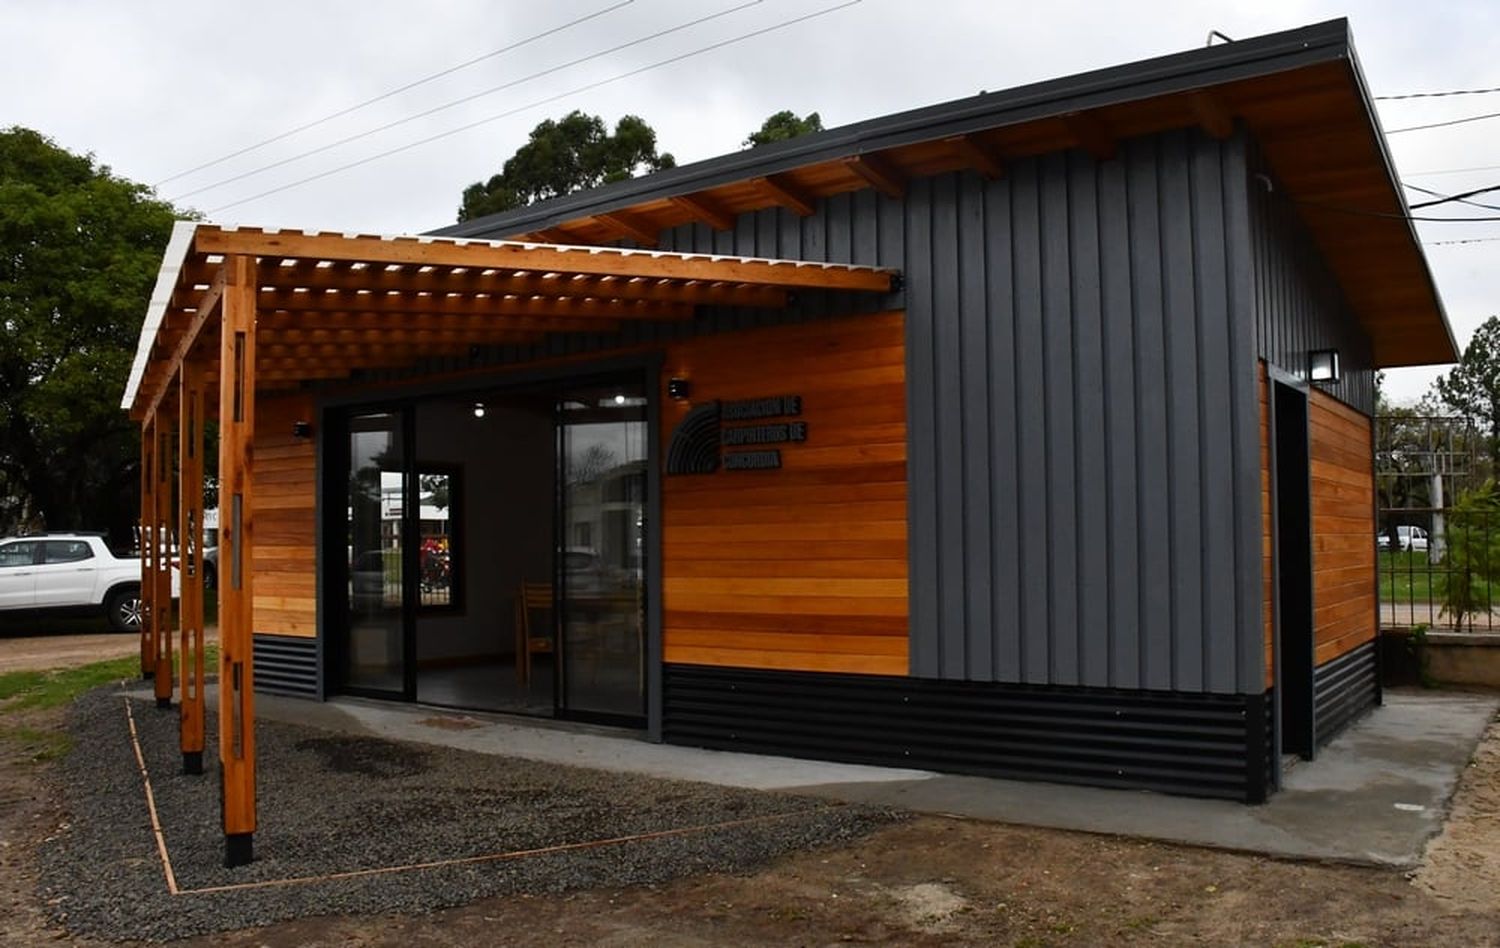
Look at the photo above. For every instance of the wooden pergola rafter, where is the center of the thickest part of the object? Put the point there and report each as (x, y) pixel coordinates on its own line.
(237, 311)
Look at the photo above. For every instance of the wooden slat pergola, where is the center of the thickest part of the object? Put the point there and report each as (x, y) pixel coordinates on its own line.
(238, 312)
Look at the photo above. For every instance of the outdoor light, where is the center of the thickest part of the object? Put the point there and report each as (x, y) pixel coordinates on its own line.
(619, 399)
(479, 409)
(679, 388)
(302, 429)
(1323, 365)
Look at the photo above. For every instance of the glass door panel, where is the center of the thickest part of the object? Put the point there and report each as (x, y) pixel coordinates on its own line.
(376, 656)
(602, 447)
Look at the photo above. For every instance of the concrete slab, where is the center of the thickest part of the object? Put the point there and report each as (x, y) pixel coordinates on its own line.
(1376, 795)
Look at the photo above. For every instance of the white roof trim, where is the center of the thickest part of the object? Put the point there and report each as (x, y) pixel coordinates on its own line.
(166, 282)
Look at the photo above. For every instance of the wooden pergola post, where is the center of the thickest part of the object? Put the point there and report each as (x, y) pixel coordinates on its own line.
(161, 592)
(236, 530)
(190, 404)
(148, 545)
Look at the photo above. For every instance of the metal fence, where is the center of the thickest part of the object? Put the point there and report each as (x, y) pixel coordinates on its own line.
(1438, 530)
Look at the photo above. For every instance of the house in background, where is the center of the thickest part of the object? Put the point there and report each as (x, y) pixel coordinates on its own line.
(1025, 435)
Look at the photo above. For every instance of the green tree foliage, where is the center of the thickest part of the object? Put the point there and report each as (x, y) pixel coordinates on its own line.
(1473, 555)
(1472, 388)
(79, 250)
(782, 126)
(572, 154)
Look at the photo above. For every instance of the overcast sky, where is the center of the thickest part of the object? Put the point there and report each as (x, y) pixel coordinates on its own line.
(156, 88)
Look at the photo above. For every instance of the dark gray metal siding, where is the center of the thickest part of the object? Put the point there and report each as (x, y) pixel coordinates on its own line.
(1343, 690)
(287, 665)
(1083, 457)
(1084, 467)
(1298, 303)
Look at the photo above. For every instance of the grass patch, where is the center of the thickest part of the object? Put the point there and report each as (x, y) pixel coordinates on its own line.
(33, 690)
(36, 744)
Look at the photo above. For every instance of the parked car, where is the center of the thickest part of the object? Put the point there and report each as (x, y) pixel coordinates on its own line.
(71, 573)
(211, 558)
(1408, 539)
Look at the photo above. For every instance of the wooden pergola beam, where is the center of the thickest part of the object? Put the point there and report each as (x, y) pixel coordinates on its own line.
(183, 343)
(236, 551)
(147, 541)
(285, 319)
(531, 258)
(190, 407)
(161, 592)
(493, 307)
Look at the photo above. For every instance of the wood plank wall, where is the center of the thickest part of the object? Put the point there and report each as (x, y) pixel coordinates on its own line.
(285, 519)
(1343, 510)
(802, 568)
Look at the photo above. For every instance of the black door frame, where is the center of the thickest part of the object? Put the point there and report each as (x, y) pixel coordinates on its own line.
(1294, 645)
(333, 412)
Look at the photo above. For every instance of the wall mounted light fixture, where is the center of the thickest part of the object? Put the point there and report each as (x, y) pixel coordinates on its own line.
(479, 409)
(302, 430)
(679, 388)
(1323, 365)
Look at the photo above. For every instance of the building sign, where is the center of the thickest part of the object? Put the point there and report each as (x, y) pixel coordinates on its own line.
(707, 437)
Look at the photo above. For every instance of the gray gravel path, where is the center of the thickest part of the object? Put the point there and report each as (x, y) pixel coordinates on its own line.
(331, 803)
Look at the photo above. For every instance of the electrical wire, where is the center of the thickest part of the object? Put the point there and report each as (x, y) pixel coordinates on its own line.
(1466, 240)
(1445, 198)
(539, 102)
(1457, 121)
(460, 101)
(1419, 174)
(1360, 212)
(396, 91)
(1435, 95)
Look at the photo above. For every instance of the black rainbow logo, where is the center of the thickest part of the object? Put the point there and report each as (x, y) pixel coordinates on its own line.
(695, 442)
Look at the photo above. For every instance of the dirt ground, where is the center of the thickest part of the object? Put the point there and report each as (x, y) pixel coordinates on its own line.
(927, 881)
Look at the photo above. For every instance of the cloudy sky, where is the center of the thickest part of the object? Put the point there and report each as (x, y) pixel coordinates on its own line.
(157, 88)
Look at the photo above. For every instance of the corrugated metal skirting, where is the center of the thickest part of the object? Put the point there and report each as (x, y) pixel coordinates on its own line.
(1188, 744)
(1343, 689)
(287, 665)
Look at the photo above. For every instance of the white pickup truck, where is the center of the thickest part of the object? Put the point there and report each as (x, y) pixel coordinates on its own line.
(71, 572)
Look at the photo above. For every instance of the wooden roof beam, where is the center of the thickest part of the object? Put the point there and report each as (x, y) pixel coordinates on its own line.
(1092, 133)
(275, 321)
(977, 155)
(208, 306)
(1210, 114)
(704, 209)
(552, 235)
(491, 306)
(782, 191)
(878, 172)
(629, 225)
(512, 256)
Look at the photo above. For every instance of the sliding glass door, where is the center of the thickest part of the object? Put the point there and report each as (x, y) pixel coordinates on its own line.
(375, 587)
(601, 587)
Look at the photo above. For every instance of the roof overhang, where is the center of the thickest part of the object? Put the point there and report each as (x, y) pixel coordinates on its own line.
(328, 305)
(1300, 93)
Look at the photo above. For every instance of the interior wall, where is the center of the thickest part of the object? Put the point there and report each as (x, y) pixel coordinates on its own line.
(507, 470)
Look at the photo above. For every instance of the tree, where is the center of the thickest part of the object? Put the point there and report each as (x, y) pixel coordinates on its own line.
(1473, 386)
(79, 250)
(782, 126)
(564, 156)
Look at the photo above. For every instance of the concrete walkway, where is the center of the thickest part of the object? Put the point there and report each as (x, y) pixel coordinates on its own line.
(1374, 796)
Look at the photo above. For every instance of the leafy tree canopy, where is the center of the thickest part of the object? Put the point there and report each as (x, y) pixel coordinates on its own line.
(782, 126)
(79, 250)
(573, 154)
(1473, 386)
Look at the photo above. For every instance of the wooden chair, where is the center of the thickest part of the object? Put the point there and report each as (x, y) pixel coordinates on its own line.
(532, 637)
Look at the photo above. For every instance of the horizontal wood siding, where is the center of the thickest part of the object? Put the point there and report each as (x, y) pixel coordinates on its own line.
(285, 588)
(802, 568)
(1343, 512)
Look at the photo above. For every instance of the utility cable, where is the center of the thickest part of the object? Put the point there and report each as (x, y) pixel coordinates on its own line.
(1457, 121)
(1436, 171)
(1435, 95)
(1360, 212)
(1466, 240)
(460, 101)
(397, 91)
(1463, 198)
(539, 102)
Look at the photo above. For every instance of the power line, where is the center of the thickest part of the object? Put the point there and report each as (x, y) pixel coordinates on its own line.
(539, 102)
(1360, 212)
(397, 91)
(1466, 240)
(460, 101)
(1419, 174)
(1435, 95)
(1442, 198)
(1457, 121)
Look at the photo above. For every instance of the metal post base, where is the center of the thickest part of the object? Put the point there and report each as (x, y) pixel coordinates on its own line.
(239, 849)
(192, 763)
(164, 704)
(148, 675)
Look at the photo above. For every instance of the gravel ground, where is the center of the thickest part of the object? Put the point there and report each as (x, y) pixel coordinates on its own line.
(330, 803)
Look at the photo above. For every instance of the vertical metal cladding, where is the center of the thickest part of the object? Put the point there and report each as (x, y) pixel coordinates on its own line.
(1298, 303)
(1085, 498)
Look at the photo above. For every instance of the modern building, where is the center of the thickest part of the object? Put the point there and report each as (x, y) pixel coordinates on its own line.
(1025, 435)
